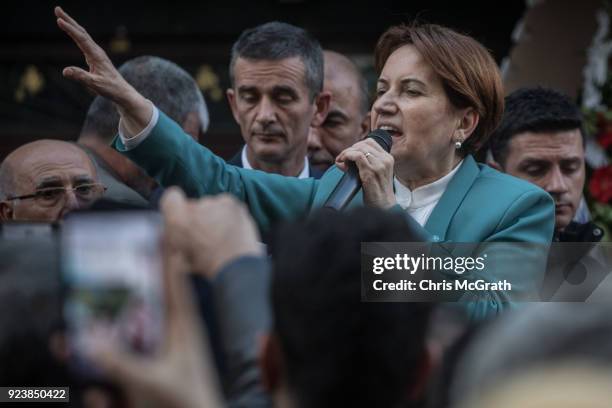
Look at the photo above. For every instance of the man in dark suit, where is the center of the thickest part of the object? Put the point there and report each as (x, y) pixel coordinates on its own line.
(276, 71)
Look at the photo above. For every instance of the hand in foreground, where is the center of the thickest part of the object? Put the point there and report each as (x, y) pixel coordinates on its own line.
(375, 171)
(103, 78)
(181, 375)
(210, 231)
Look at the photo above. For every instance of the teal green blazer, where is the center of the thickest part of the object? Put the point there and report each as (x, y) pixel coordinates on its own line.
(480, 205)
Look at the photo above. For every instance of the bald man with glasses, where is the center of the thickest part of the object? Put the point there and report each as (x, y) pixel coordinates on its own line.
(44, 180)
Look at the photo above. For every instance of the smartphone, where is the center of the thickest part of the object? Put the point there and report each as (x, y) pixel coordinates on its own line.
(112, 269)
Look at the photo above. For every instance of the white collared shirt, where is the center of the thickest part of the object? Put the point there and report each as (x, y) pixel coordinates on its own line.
(421, 202)
(305, 173)
(131, 141)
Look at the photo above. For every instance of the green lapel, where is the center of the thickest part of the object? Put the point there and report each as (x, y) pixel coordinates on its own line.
(457, 188)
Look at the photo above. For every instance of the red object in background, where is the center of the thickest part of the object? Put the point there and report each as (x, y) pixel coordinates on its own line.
(604, 126)
(605, 139)
(600, 185)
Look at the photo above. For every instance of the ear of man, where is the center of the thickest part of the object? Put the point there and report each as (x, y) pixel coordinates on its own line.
(231, 99)
(321, 102)
(6, 211)
(192, 125)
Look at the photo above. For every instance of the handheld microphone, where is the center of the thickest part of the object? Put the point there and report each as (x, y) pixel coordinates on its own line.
(350, 183)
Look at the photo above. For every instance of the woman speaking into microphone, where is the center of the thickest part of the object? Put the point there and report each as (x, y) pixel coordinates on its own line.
(439, 95)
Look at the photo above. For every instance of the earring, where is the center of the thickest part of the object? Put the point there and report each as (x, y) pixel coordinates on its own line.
(458, 144)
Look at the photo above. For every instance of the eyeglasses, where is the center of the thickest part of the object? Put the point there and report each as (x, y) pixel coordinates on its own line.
(50, 196)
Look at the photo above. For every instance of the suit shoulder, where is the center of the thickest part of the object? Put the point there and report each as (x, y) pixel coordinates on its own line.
(506, 184)
(508, 208)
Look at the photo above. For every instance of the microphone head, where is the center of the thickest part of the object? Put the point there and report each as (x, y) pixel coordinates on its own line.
(383, 138)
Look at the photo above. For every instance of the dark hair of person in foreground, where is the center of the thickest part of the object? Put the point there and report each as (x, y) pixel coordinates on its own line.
(337, 350)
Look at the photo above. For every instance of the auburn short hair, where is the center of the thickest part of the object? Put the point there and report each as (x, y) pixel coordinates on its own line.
(469, 73)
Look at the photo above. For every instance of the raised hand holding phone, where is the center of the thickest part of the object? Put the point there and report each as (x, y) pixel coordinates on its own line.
(180, 374)
(211, 232)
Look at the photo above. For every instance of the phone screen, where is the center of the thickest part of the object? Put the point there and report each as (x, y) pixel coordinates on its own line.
(112, 268)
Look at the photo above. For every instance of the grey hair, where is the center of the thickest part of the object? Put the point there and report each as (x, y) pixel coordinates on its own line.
(276, 41)
(172, 89)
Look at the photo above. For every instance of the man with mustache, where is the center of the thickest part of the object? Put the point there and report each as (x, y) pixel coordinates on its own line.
(46, 179)
(276, 72)
(541, 140)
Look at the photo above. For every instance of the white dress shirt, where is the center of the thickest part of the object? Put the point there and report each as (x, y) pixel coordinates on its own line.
(421, 202)
(305, 173)
(131, 141)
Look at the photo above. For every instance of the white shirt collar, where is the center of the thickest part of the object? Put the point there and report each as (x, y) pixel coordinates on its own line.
(305, 173)
(429, 194)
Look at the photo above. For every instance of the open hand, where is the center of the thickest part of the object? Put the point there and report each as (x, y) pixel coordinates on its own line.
(103, 78)
(181, 374)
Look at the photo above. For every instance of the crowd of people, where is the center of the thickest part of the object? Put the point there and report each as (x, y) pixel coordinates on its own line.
(262, 286)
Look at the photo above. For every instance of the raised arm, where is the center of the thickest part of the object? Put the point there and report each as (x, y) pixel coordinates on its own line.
(103, 78)
(167, 154)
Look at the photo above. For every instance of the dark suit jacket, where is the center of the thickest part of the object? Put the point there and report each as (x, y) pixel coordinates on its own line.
(236, 160)
(577, 267)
